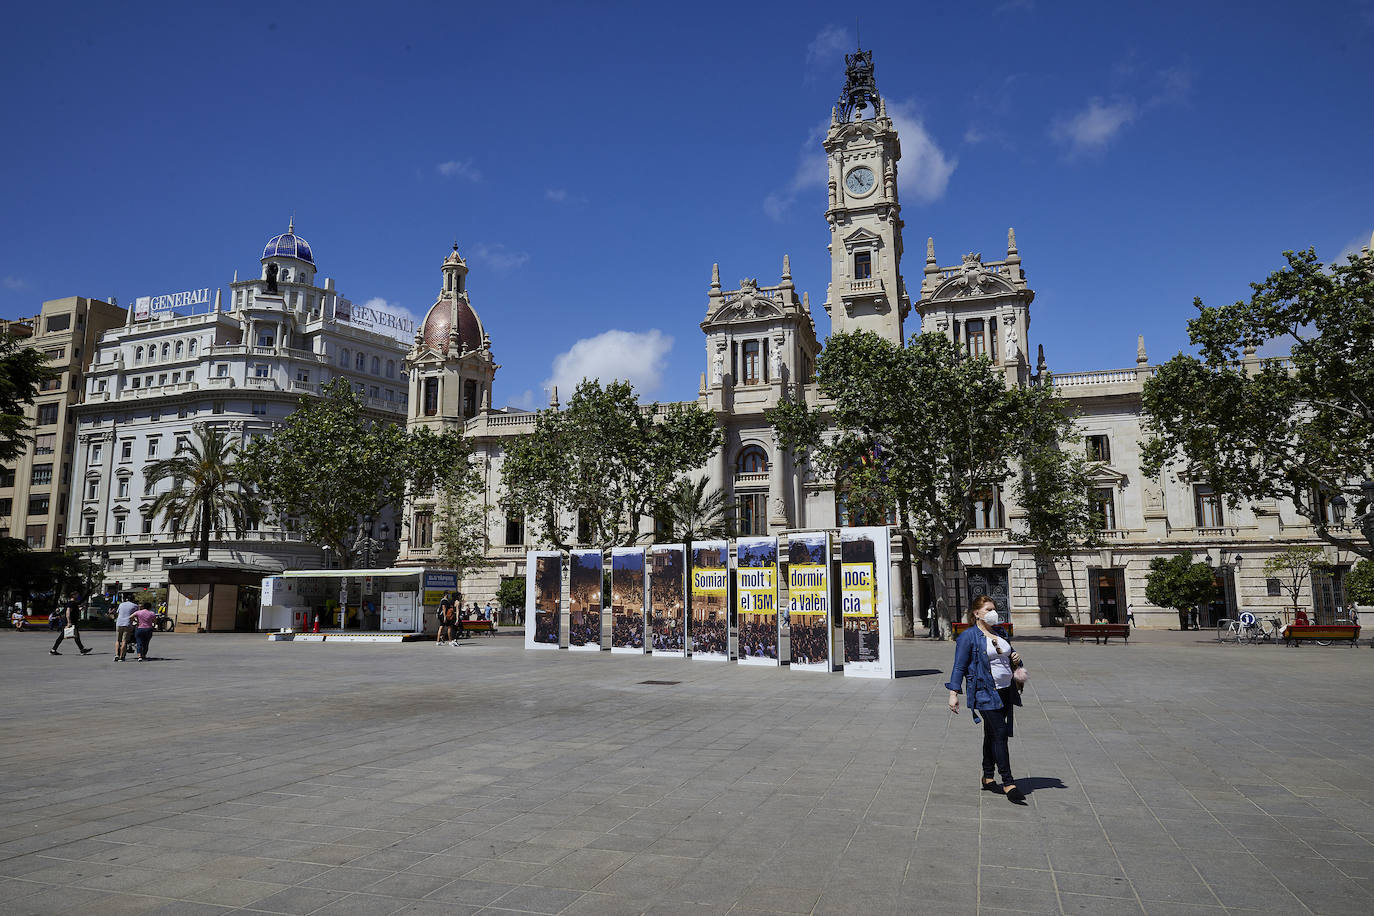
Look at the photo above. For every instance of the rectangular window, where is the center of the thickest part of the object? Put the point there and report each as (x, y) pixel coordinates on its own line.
(221, 370)
(303, 376)
(751, 362)
(136, 382)
(374, 392)
(863, 265)
(92, 488)
(147, 524)
(1273, 588)
(217, 407)
(259, 408)
(431, 396)
(6, 477)
(120, 524)
(6, 506)
(36, 536)
(51, 384)
(47, 414)
(1099, 448)
(976, 342)
(515, 528)
(152, 446)
(88, 527)
(142, 563)
(59, 322)
(126, 450)
(422, 531)
(162, 378)
(45, 443)
(260, 370)
(1103, 507)
(1208, 506)
(155, 414)
(41, 476)
(95, 452)
(753, 513)
(734, 363)
(38, 505)
(56, 353)
(183, 443)
(470, 399)
(267, 338)
(122, 489)
(987, 509)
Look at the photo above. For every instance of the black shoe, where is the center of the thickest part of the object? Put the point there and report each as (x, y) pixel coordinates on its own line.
(53, 652)
(1015, 797)
(87, 651)
(991, 786)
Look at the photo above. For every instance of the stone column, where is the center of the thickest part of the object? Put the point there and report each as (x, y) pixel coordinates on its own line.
(777, 497)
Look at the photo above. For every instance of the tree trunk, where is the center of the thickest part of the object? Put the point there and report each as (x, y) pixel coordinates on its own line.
(908, 605)
(205, 529)
(939, 607)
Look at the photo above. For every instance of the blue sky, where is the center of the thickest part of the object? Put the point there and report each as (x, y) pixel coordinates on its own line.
(594, 160)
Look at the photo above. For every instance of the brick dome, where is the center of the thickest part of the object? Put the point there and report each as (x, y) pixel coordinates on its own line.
(439, 323)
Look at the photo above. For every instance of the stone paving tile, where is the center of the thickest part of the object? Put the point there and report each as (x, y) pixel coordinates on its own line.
(1155, 785)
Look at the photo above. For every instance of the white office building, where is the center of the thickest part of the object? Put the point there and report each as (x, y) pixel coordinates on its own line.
(241, 366)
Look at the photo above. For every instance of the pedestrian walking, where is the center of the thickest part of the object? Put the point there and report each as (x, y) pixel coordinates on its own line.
(986, 661)
(447, 618)
(124, 627)
(487, 612)
(144, 620)
(67, 626)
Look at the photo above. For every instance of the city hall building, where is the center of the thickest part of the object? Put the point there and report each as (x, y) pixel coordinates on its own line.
(137, 383)
(760, 344)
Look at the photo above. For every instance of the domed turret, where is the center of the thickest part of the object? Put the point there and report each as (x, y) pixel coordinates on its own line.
(289, 245)
(451, 325)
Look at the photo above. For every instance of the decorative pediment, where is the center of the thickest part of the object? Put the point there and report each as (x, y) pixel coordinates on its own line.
(974, 278)
(749, 302)
(1105, 475)
(862, 236)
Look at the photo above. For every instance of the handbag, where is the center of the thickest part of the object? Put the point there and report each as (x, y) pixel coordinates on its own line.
(69, 632)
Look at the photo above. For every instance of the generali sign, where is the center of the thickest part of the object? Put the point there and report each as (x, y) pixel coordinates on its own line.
(147, 306)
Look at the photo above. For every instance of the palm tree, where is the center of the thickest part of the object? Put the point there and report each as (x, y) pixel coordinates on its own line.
(687, 513)
(208, 490)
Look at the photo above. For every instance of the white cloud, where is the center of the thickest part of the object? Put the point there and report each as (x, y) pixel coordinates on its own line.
(1093, 128)
(830, 42)
(459, 168)
(1355, 246)
(635, 357)
(922, 175)
(16, 283)
(557, 195)
(924, 172)
(499, 257)
(525, 401)
(380, 304)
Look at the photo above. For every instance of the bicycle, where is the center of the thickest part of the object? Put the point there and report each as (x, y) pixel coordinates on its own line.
(1228, 630)
(1270, 633)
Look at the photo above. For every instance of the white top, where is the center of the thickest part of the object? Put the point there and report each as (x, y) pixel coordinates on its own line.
(124, 613)
(999, 657)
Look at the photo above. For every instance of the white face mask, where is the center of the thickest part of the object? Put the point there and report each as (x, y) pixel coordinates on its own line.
(991, 618)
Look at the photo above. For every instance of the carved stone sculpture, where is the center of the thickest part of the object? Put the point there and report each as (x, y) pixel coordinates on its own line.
(974, 276)
(1013, 341)
(271, 278)
(775, 359)
(718, 365)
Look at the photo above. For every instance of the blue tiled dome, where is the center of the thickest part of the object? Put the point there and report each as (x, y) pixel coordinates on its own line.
(289, 245)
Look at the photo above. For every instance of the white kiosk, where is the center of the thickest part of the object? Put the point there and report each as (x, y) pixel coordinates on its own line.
(354, 605)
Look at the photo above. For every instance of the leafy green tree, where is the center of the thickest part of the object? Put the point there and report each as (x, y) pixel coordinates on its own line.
(1258, 428)
(461, 517)
(1293, 566)
(1179, 583)
(1359, 585)
(329, 466)
(21, 370)
(606, 457)
(209, 493)
(511, 592)
(688, 513)
(921, 431)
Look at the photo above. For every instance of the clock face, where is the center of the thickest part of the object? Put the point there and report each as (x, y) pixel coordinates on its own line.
(860, 180)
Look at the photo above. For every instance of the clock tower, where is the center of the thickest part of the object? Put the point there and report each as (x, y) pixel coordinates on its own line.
(866, 290)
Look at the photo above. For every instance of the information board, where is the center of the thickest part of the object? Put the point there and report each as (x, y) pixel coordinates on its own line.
(627, 600)
(756, 599)
(710, 588)
(543, 599)
(584, 600)
(398, 611)
(808, 601)
(668, 600)
(865, 603)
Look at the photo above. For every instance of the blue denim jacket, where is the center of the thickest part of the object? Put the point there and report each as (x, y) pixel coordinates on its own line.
(971, 664)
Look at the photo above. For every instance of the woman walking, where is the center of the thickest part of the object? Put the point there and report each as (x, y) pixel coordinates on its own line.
(984, 659)
(144, 620)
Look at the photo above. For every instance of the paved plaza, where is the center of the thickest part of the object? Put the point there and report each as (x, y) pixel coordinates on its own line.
(1170, 776)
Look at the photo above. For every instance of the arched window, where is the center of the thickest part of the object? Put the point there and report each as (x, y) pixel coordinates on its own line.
(376, 366)
(138, 354)
(391, 368)
(361, 362)
(751, 460)
(166, 350)
(344, 356)
(181, 348)
(191, 350)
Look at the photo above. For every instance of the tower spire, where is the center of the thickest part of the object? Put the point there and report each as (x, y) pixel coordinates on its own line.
(860, 87)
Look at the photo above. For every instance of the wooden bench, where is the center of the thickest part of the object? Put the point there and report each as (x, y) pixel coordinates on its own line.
(959, 626)
(1296, 635)
(1100, 632)
(479, 626)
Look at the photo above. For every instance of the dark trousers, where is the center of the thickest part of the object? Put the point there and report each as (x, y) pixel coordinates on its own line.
(61, 637)
(142, 636)
(997, 728)
(1183, 617)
